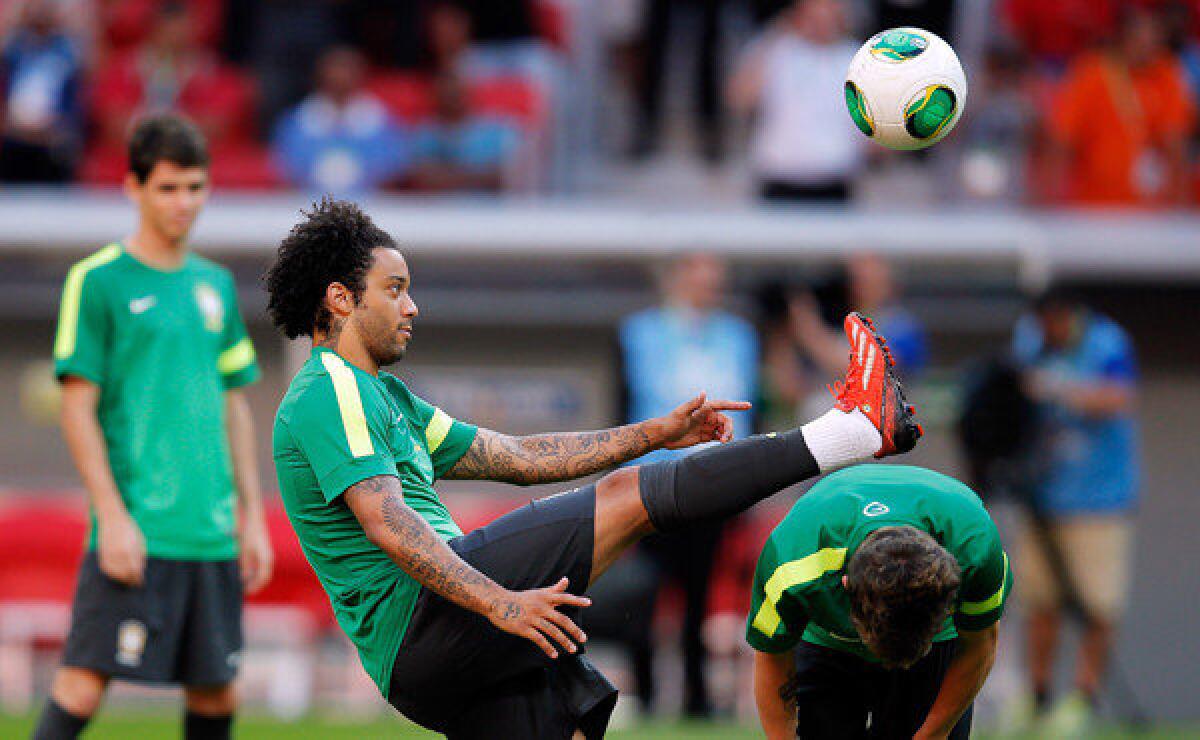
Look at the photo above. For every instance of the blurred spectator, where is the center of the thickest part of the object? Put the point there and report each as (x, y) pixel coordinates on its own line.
(480, 40)
(286, 40)
(40, 69)
(810, 346)
(127, 22)
(1081, 371)
(171, 72)
(1122, 120)
(340, 139)
(1055, 32)
(999, 135)
(804, 146)
(458, 150)
(669, 354)
(655, 42)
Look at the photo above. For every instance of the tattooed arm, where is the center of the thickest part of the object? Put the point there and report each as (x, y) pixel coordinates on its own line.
(406, 538)
(547, 458)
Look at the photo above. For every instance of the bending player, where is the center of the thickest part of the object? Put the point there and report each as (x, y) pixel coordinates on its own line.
(476, 635)
(875, 608)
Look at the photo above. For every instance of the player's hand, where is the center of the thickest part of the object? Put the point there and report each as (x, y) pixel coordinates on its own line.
(699, 421)
(534, 615)
(121, 549)
(256, 558)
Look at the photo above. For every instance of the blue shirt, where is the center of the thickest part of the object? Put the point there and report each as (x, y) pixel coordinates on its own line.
(349, 150)
(1091, 464)
(42, 81)
(906, 339)
(475, 144)
(671, 355)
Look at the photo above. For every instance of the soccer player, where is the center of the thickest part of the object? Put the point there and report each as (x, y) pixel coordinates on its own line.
(874, 608)
(152, 353)
(475, 636)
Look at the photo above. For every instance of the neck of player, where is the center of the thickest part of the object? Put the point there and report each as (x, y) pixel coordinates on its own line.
(345, 341)
(156, 249)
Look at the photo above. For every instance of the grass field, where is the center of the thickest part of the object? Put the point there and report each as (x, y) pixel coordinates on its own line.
(124, 727)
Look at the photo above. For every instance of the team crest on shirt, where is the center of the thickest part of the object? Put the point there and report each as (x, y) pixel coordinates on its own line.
(211, 308)
(875, 509)
(131, 642)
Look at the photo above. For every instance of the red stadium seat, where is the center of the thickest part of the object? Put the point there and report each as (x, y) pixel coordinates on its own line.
(408, 97)
(41, 542)
(513, 97)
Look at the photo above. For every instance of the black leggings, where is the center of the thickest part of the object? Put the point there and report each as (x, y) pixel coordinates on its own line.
(837, 692)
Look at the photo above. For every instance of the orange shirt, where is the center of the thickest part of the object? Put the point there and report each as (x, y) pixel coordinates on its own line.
(1115, 124)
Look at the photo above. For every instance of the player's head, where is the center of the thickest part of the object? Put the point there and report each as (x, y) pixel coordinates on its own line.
(336, 268)
(168, 174)
(901, 585)
(696, 280)
(1059, 311)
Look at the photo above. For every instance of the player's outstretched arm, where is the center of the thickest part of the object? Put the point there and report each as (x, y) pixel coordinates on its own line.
(395, 528)
(777, 714)
(964, 678)
(549, 458)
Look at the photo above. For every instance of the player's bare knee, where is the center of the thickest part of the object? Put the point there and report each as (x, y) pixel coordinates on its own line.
(623, 481)
(79, 690)
(213, 701)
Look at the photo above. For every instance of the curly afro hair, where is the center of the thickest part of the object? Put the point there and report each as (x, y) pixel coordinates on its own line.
(332, 244)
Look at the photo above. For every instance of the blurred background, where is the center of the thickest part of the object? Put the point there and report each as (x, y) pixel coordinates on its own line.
(575, 181)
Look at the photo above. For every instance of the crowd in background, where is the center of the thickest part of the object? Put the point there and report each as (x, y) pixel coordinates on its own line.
(1070, 102)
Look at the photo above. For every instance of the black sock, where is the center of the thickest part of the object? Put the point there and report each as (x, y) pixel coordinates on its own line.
(723, 480)
(57, 723)
(205, 727)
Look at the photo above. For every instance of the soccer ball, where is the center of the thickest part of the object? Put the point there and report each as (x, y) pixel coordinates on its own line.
(905, 88)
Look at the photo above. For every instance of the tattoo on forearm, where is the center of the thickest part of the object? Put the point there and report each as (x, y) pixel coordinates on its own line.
(547, 458)
(423, 555)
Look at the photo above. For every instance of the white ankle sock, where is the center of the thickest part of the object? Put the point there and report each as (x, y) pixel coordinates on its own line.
(838, 439)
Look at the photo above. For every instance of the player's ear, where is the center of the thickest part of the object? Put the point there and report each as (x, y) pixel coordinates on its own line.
(845, 580)
(131, 186)
(338, 299)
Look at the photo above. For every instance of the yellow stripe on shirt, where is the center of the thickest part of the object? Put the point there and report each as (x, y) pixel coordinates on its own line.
(236, 358)
(345, 386)
(72, 297)
(973, 608)
(790, 574)
(438, 428)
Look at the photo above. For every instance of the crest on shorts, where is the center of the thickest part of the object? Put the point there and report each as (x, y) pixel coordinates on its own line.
(211, 308)
(131, 642)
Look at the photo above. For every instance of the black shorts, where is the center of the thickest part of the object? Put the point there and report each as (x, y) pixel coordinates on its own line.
(459, 675)
(840, 696)
(182, 626)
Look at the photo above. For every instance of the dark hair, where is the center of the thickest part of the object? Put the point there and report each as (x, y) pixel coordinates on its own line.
(902, 585)
(165, 137)
(331, 245)
(1057, 298)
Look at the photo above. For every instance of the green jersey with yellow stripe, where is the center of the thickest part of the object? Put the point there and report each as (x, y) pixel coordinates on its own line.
(338, 425)
(163, 346)
(798, 593)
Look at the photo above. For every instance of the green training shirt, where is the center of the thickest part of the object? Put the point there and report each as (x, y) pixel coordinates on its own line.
(163, 346)
(338, 425)
(798, 592)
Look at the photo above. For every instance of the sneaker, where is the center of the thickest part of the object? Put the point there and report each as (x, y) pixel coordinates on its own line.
(871, 386)
(1071, 717)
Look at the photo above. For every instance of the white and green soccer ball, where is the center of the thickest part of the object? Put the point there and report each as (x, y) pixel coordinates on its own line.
(905, 88)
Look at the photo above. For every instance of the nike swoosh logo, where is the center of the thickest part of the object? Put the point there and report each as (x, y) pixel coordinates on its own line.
(142, 305)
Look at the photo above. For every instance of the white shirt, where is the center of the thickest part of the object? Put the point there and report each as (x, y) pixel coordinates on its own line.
(804, 135)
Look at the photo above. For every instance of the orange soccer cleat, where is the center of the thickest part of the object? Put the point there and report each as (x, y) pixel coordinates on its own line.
(871, 386)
